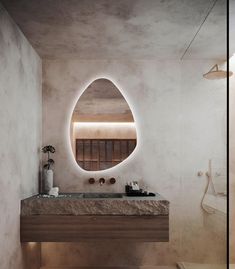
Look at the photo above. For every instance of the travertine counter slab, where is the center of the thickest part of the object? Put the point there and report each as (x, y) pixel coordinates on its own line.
(75, 204)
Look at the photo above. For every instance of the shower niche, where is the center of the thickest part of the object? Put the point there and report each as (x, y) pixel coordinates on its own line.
(102, 129)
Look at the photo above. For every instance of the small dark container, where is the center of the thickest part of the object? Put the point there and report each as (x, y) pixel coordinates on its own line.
(128, 188)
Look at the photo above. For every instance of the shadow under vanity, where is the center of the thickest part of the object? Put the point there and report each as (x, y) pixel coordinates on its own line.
(80, 217)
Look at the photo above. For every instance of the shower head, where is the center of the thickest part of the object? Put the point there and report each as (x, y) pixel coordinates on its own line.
(215, 73)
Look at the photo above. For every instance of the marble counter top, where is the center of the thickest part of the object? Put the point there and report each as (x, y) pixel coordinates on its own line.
(75, 204)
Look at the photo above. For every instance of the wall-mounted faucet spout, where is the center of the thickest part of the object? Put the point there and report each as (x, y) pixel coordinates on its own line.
(101, 181)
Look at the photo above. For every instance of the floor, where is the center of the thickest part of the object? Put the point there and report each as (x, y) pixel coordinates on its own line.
(232, 266)
(187, 265)
(129, 267)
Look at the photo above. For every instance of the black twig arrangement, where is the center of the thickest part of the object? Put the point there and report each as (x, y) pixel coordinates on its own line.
(48, 149)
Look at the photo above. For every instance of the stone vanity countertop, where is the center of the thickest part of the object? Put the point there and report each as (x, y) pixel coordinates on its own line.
(75, 204)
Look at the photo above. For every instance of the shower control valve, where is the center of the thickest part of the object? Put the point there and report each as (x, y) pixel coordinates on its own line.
(200, 173)
(91, 180)
(112, 180)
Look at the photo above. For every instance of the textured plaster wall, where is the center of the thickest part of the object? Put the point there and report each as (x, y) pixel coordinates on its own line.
(232, 160)
(122, 29)
(20, 135)
(180, 119)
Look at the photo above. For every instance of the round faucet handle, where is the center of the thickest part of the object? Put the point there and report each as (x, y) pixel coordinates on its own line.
(112, 180)
(91, 180)
(101, 180)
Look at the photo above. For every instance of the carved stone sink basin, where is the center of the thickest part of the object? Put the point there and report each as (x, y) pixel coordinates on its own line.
(102, 195)
(88, 203)
(91, 195)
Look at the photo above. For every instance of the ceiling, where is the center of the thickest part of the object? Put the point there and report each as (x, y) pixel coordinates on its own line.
(121, 29)
(102, 101)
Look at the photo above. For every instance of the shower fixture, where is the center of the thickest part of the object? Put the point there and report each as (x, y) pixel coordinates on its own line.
(215, 73)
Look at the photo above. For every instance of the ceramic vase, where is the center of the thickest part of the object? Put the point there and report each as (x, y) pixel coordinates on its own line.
(48, 180)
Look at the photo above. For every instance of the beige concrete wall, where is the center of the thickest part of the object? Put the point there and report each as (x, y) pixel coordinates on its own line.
(232, 160)
(180, 119)
(20, 136)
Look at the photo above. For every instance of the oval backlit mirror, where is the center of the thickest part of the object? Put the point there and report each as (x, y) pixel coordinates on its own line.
(103, 132)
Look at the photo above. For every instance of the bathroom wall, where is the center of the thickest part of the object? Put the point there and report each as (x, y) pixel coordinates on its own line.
(20, 138)
(180, 119)
(232, 160)
(232, 133)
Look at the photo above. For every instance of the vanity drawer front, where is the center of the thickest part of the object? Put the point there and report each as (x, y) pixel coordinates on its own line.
(62, 228)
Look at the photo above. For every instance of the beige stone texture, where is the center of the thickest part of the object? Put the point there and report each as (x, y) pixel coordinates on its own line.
(123, 29)
(20, 135)
(156, 205)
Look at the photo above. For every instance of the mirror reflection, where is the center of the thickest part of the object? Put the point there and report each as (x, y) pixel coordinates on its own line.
(103, 132)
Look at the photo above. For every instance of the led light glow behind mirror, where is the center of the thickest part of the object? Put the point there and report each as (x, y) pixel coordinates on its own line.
(103, 131)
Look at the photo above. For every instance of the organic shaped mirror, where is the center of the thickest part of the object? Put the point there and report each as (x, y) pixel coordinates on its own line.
(103, 132)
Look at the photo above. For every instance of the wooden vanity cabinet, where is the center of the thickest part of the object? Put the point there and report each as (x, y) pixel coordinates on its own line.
(68, 228)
